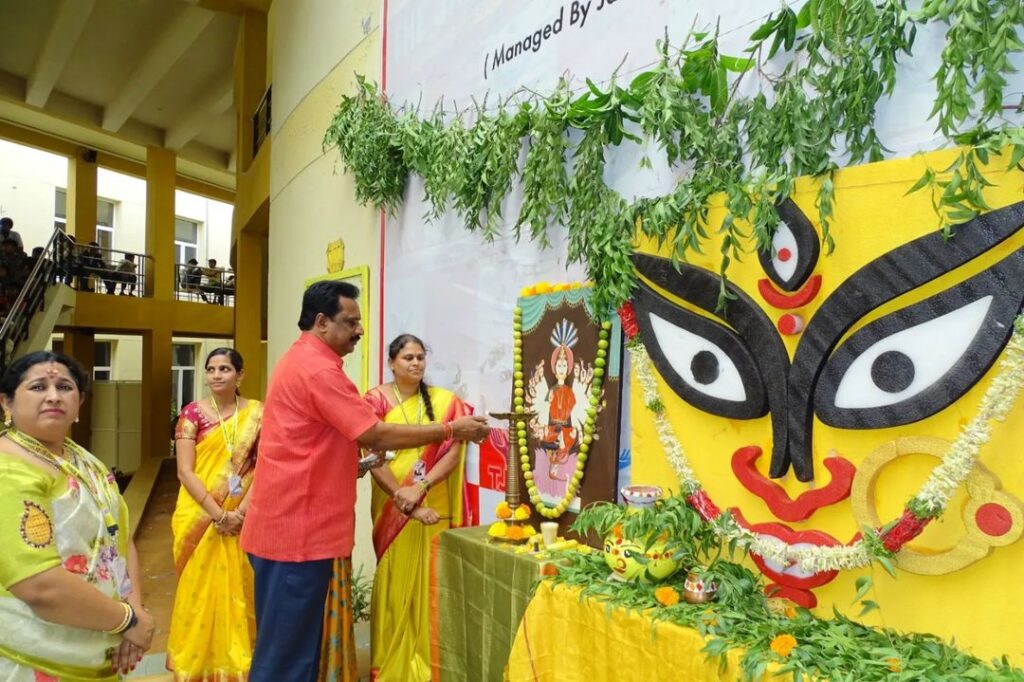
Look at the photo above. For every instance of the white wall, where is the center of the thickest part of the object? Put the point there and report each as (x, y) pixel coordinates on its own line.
(29, 179)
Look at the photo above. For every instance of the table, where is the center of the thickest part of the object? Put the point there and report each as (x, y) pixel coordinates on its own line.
(479, 590)
(565, 639)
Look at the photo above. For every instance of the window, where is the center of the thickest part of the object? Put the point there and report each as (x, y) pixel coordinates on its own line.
(102, 361)
(186, 240)
(183, 374)
(104, 218)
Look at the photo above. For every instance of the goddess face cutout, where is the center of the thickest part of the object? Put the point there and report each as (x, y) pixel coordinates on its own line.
(791, 401)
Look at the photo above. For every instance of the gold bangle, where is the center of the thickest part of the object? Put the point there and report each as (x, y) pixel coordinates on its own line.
(129, 613)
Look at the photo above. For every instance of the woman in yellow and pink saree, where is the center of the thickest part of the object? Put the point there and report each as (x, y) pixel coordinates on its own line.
(429, 481)
(213, 623)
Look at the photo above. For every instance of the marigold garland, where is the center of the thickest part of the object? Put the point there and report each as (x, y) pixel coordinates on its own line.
(929, 503)
(589, 425)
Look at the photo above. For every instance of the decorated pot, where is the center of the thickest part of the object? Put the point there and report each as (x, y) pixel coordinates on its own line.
(626, 556)
(698, 591)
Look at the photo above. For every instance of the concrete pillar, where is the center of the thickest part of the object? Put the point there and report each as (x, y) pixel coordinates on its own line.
(160, 271)
(81, 200)
(249, 313)
(160, 183)
(80, 344)
(250, 80)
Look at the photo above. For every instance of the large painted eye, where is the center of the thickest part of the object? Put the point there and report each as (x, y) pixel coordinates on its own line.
(704, 362)
(916, 361)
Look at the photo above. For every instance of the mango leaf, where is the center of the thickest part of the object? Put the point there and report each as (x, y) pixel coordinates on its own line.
(737, 64)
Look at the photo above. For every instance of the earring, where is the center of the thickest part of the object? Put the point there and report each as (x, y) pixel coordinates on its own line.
(7, 419)
(76, 420)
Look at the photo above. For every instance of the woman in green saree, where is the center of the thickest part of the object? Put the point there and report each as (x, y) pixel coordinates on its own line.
(70, 600)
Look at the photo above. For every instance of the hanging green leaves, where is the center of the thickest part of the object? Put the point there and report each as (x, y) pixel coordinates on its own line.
(818, 111)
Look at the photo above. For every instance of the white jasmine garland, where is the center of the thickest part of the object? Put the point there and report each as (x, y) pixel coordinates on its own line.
(932, 498)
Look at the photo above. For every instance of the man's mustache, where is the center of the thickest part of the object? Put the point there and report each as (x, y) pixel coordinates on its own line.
(355, 339)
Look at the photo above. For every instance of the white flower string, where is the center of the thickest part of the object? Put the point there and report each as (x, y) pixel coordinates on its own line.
(930, 501)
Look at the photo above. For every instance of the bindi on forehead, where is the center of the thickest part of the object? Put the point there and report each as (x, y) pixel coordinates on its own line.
(49, 370)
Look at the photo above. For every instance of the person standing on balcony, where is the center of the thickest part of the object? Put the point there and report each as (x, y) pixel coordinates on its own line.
(7, 232)
(301, 521)
(212, 625)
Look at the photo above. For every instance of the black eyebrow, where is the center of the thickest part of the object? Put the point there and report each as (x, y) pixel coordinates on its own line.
(891, 275)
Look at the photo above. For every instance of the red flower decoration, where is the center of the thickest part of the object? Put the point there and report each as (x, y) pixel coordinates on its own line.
(707, 509)
(628, 319)
(76, 563)
(904, 530)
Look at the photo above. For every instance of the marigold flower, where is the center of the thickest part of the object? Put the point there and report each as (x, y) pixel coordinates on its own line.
(514, 533)
(783, 645)
(790, 611)
(895, 664)
(503, 511)
(497, 530)
(666, 596)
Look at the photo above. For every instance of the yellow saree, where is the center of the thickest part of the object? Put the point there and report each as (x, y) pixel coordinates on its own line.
(213, 624)
(400, 603)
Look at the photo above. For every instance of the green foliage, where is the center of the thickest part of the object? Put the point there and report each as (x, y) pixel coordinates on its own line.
(362, 587)
(840, 61)
(837, 649)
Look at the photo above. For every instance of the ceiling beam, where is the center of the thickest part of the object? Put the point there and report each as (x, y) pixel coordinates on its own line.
(215, 102)
(233, 6)
(67, 26)
(154, 65)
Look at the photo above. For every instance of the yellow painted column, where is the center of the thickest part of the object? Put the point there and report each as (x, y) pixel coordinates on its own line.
(156, 391)
(249, 309)
(81, 200)
(80, 344)
(160, 183)
(250, 81)
(160, 268)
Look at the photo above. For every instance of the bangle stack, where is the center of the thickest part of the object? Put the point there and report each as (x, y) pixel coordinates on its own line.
(127, 623)
(224, 515)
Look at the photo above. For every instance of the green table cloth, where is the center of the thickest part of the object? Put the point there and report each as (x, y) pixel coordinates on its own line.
(479, 591)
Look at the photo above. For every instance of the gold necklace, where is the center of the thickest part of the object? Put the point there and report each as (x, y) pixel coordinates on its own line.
(78, 466)
(229, 441)
(401, 405)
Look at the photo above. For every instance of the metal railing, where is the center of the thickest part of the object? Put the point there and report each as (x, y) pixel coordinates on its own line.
(92, 269)
(30, 298)
(261, 122)
(209, 285)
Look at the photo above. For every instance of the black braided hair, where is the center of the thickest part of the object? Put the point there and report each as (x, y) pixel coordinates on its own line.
(395, 348)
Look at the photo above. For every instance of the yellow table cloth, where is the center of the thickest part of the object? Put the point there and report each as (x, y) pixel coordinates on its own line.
(562, 638)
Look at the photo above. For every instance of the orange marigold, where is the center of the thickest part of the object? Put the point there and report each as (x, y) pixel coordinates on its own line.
(514, 533)
(503, 511)
(790, 611)
(895, 664)
(666, 596)
(783, 645)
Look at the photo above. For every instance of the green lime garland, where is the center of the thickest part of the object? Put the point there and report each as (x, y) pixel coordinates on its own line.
(589, 424)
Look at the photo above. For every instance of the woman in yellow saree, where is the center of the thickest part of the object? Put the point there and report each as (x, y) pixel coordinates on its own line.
(70, 600)
(427, 481)
(213, 624)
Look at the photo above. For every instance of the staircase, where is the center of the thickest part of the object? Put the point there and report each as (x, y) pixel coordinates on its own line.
(42, 303)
